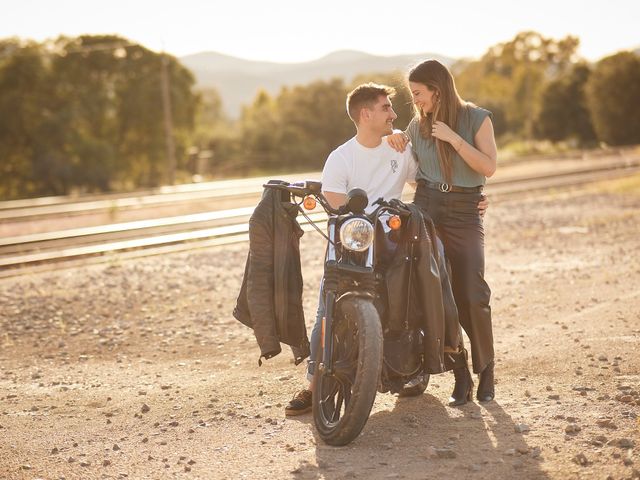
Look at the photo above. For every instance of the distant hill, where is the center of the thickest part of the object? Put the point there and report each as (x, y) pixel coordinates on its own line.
(238, 80)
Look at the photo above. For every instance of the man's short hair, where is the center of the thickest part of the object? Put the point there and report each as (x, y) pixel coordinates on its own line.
(366, 95)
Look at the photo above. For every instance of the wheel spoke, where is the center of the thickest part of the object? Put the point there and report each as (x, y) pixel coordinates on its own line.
(327, 399)
(345, 370)
(336, 411)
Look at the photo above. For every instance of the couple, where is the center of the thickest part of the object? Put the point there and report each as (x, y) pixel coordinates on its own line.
(454, 144)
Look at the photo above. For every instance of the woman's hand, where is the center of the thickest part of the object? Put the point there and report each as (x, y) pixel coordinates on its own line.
(398, 141)
(443, 132)
(482, 155)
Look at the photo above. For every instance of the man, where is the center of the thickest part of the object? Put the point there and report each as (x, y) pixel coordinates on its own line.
(365, 161)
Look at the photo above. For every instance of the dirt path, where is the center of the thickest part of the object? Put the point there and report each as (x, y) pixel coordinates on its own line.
(137, 369)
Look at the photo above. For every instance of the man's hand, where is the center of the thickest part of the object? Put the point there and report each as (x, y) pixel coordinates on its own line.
(483, 205)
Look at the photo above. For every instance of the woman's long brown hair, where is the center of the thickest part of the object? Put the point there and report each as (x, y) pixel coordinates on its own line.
(448, 105)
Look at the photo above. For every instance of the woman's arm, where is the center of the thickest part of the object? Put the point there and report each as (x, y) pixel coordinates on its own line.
(398, 141)
(482, 158)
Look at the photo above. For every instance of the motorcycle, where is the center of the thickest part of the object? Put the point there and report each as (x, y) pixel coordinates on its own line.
(363, 349)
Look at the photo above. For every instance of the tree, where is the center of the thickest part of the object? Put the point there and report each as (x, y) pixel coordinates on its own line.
(296, 130)
(85, 74)
(313, 122)
(564, 113)
(260, 126)
(86, 113)
(510, 78)
(114, 99)
(139, 108)
(25, 108)
(613, 92)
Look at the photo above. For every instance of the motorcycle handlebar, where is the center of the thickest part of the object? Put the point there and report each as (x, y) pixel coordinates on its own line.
(314, 188)
(303, 189)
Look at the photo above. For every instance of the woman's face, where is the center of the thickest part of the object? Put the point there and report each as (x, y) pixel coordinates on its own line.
(423, 97)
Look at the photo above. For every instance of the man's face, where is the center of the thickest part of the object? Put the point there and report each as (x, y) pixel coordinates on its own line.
(381, 116)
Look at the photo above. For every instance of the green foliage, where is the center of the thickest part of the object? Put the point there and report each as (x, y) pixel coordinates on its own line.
(564, 113)
(24, 114)
(86, 113)
(613, 96)
(510, 78)
(296, 130)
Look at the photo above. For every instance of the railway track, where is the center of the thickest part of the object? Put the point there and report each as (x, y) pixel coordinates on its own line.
(21, 254)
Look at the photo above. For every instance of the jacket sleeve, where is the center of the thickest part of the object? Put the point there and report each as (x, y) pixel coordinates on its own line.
(430, 286)
(241, 310)
(260, 281)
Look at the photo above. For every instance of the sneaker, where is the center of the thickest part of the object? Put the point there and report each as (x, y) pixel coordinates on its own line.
(299, 404)
(414, 387)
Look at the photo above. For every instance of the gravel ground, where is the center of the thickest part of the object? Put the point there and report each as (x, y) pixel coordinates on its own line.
(137, 369)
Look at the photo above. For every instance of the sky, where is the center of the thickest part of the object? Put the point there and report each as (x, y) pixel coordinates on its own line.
(299, 30)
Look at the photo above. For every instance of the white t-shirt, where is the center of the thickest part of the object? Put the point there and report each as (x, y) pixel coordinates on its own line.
(380, 171)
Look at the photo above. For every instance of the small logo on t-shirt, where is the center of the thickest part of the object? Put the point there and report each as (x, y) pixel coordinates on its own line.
(394, 165)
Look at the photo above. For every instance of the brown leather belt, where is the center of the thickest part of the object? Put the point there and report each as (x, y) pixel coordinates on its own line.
(446, 188)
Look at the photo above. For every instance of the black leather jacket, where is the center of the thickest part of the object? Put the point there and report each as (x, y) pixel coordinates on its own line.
(430, 301)
(270, 299)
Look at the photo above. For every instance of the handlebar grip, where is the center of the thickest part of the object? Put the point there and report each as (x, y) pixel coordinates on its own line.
(307, 187)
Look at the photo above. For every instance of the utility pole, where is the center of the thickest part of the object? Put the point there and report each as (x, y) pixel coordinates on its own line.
(168, 120)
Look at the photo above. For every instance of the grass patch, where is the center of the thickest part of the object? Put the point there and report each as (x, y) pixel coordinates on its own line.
(512, 150)
(626, 185)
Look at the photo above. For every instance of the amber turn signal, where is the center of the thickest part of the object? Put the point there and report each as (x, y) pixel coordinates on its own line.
(309, 203)
(394, 222)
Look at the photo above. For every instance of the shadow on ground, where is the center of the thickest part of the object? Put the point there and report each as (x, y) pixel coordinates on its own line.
(421, 438)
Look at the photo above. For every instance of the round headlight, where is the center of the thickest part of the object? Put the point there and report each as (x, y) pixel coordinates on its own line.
(356, 234)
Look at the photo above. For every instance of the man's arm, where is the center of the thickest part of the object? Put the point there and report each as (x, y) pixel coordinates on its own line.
(335, 182)
(336, 200)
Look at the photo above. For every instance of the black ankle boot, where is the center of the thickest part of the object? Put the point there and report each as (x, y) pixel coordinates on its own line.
(464, 383)
(486, 391)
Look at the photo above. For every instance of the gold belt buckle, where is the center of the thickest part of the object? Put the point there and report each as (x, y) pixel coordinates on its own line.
(445, 187)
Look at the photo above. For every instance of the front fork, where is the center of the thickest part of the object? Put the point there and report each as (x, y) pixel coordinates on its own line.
(332, 268)
(325, 366)
(326, 336)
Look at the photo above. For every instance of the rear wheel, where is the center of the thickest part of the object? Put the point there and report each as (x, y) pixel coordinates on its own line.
(342, 401)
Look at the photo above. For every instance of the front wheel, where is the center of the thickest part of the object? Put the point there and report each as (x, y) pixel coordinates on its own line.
(342, 401)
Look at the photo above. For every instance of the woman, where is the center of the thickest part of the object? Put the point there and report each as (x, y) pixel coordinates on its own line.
(455, 146)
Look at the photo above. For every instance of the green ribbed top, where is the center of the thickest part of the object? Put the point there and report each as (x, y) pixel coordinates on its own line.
(469, 121)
